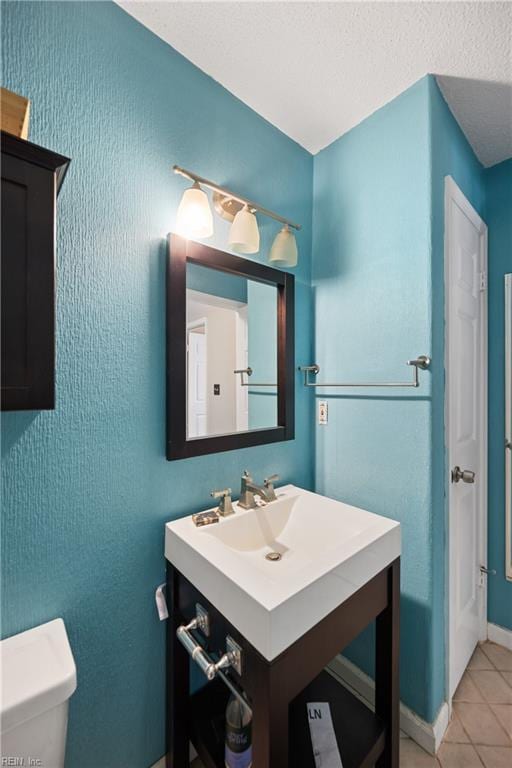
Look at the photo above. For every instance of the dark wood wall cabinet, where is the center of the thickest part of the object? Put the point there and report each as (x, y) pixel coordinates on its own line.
(31, 179)
(278, 690)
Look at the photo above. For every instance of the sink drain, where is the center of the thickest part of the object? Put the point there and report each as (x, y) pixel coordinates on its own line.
(273, 556)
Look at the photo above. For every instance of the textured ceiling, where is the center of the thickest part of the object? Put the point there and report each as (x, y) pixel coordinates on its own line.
(316, 69)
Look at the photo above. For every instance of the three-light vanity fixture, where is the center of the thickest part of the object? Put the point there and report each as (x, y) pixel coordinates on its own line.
(194, 219)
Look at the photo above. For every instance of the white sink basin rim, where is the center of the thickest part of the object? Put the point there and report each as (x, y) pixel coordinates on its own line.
(321, 551)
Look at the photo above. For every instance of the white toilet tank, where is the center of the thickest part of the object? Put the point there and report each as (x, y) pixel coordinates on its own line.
(38, 677)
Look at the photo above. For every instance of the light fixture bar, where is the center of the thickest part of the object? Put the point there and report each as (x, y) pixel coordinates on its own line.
(227, 193)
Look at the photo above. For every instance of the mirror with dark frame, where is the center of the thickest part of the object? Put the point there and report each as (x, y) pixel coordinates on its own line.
(230, 351)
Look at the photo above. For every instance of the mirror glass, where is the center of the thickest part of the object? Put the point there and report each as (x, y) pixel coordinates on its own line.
(231, 343)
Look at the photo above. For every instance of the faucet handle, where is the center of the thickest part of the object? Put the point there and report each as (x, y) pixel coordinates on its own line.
(225, 507)
(246, 475)
(269, 485)
(221, 494)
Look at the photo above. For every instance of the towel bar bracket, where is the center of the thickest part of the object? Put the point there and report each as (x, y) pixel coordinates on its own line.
(419, 363)
(248, 371)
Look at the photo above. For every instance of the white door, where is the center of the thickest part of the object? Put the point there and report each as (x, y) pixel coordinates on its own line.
(466, 424)
(196, 384)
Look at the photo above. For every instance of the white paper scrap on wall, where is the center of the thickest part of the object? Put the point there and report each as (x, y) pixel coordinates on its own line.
(323, 737)
(161, 602)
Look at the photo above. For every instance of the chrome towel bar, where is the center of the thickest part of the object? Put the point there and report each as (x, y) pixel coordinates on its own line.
(196, 651)
(423, 362)
(244, 383)
(210, 668)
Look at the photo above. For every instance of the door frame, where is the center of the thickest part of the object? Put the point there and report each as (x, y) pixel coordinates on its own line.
(200, 322)
(242, 361)
(508, 427)
(452, 193)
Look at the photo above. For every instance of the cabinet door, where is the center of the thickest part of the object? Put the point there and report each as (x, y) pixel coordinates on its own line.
(28, 289)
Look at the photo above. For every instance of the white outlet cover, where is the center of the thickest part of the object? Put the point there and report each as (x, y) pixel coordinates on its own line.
(323, 413)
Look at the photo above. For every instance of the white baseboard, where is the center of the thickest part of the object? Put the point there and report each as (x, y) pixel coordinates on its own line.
(439, 725)
(427, 735)
(500, 635)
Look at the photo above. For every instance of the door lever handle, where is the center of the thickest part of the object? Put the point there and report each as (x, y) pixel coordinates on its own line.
(466, 475)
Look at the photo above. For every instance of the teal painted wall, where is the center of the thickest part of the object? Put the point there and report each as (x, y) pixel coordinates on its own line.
(86, 488)
(372, 288)
(498, 187)
(378, 268)
(262, 348)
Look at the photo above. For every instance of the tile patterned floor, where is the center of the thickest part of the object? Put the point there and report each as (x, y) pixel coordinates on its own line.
(480, 731)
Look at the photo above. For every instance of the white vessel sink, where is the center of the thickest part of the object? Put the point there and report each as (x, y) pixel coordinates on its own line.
(327, 550)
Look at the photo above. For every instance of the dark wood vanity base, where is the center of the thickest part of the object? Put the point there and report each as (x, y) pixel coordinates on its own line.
(278, 690)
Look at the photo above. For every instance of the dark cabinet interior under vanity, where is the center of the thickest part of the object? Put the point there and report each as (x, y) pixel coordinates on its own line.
(279, 690)
(31, 179)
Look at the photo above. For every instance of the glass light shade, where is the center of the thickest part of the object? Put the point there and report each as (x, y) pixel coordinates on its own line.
(194, 217)
(284, 248)
(244, 235)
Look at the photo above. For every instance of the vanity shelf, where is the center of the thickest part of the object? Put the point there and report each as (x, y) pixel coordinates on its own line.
(359, 732)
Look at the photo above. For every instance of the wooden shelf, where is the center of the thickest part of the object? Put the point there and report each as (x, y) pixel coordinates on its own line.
(360, 733)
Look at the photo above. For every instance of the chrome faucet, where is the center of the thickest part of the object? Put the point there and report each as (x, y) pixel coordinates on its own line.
(248, 488)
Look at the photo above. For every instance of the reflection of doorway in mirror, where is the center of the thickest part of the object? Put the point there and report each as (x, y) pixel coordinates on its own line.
(216, 402)
(196, 378)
